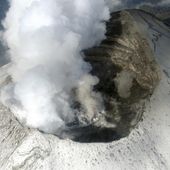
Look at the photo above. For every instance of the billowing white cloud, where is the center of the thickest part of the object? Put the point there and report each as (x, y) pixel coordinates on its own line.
(45, 39)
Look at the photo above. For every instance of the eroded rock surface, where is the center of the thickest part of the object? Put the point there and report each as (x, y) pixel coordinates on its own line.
(128, 72)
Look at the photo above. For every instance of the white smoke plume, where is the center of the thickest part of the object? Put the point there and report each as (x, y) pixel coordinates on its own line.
(45, 39)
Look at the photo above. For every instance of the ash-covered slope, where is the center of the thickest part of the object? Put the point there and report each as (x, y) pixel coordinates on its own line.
(160, 11)
(157, 34)
(147, 147)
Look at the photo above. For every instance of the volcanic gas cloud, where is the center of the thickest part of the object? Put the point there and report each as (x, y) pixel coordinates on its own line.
(45, 39)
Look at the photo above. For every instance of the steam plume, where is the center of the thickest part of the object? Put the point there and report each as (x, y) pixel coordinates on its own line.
(45, 39)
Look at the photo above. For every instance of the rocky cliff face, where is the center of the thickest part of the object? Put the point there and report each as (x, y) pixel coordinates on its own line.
(127, 70)
(128, 74)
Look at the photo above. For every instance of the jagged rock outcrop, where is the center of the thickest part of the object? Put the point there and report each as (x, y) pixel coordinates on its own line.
(128, 72)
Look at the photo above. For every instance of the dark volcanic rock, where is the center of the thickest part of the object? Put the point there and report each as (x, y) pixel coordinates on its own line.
(128, 73)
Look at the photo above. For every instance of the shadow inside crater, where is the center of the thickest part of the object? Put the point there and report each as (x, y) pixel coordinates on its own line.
(93, 134)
